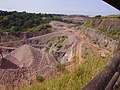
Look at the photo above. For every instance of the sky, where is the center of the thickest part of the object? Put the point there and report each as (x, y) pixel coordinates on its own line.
(81, 7)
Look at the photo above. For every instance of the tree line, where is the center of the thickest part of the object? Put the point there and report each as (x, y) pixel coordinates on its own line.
(16, 22)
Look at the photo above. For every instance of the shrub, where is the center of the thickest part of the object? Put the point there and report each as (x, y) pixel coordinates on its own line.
(47, 49)
(97, 16)
(39, 78)
(75, 58)
(61, 67)
(59, 46)
(61, 39)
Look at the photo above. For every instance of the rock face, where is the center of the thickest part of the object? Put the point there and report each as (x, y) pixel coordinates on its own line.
(100, 39)
(24, 64)
(108, 24)
(6, 37)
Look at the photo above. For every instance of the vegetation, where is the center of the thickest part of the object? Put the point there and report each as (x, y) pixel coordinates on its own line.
(75, 59)
(16, 22)
(39, 78)
(97, 16)
(114, 16)
(61, 67)
(106, 25)
(47, 49)
(114, 33)
(59, 42)
(61, 39)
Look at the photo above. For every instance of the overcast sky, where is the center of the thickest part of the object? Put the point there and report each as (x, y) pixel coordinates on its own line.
(86, 7)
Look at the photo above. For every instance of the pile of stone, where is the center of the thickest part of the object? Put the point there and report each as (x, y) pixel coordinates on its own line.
(22, 66)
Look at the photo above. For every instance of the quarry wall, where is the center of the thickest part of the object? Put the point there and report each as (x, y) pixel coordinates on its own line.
(104, 23)
(100, 39)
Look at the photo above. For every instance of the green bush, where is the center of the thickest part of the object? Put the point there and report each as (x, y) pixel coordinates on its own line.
(39, 78)
(98, 16)
(61, 67)
(75, 59)
(21, 21)
(59, 46)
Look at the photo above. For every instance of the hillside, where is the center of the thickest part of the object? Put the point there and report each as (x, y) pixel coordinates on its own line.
(20, 25)
(66, 58)
(17, 22)
(15, 26)
(107, 25)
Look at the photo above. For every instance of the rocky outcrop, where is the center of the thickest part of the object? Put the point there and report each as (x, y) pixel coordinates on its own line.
(69, 54)
(100, 39)
(7, 37)
(104, 23)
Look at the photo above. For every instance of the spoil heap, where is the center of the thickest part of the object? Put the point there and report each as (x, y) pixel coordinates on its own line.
(24, 64)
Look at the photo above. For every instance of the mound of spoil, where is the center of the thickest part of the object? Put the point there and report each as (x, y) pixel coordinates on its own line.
(24, 64)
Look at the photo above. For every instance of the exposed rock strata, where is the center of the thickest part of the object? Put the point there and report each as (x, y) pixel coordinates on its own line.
(100, 39)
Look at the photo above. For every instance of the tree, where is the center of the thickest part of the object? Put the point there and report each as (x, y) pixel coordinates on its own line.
(98, 16)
